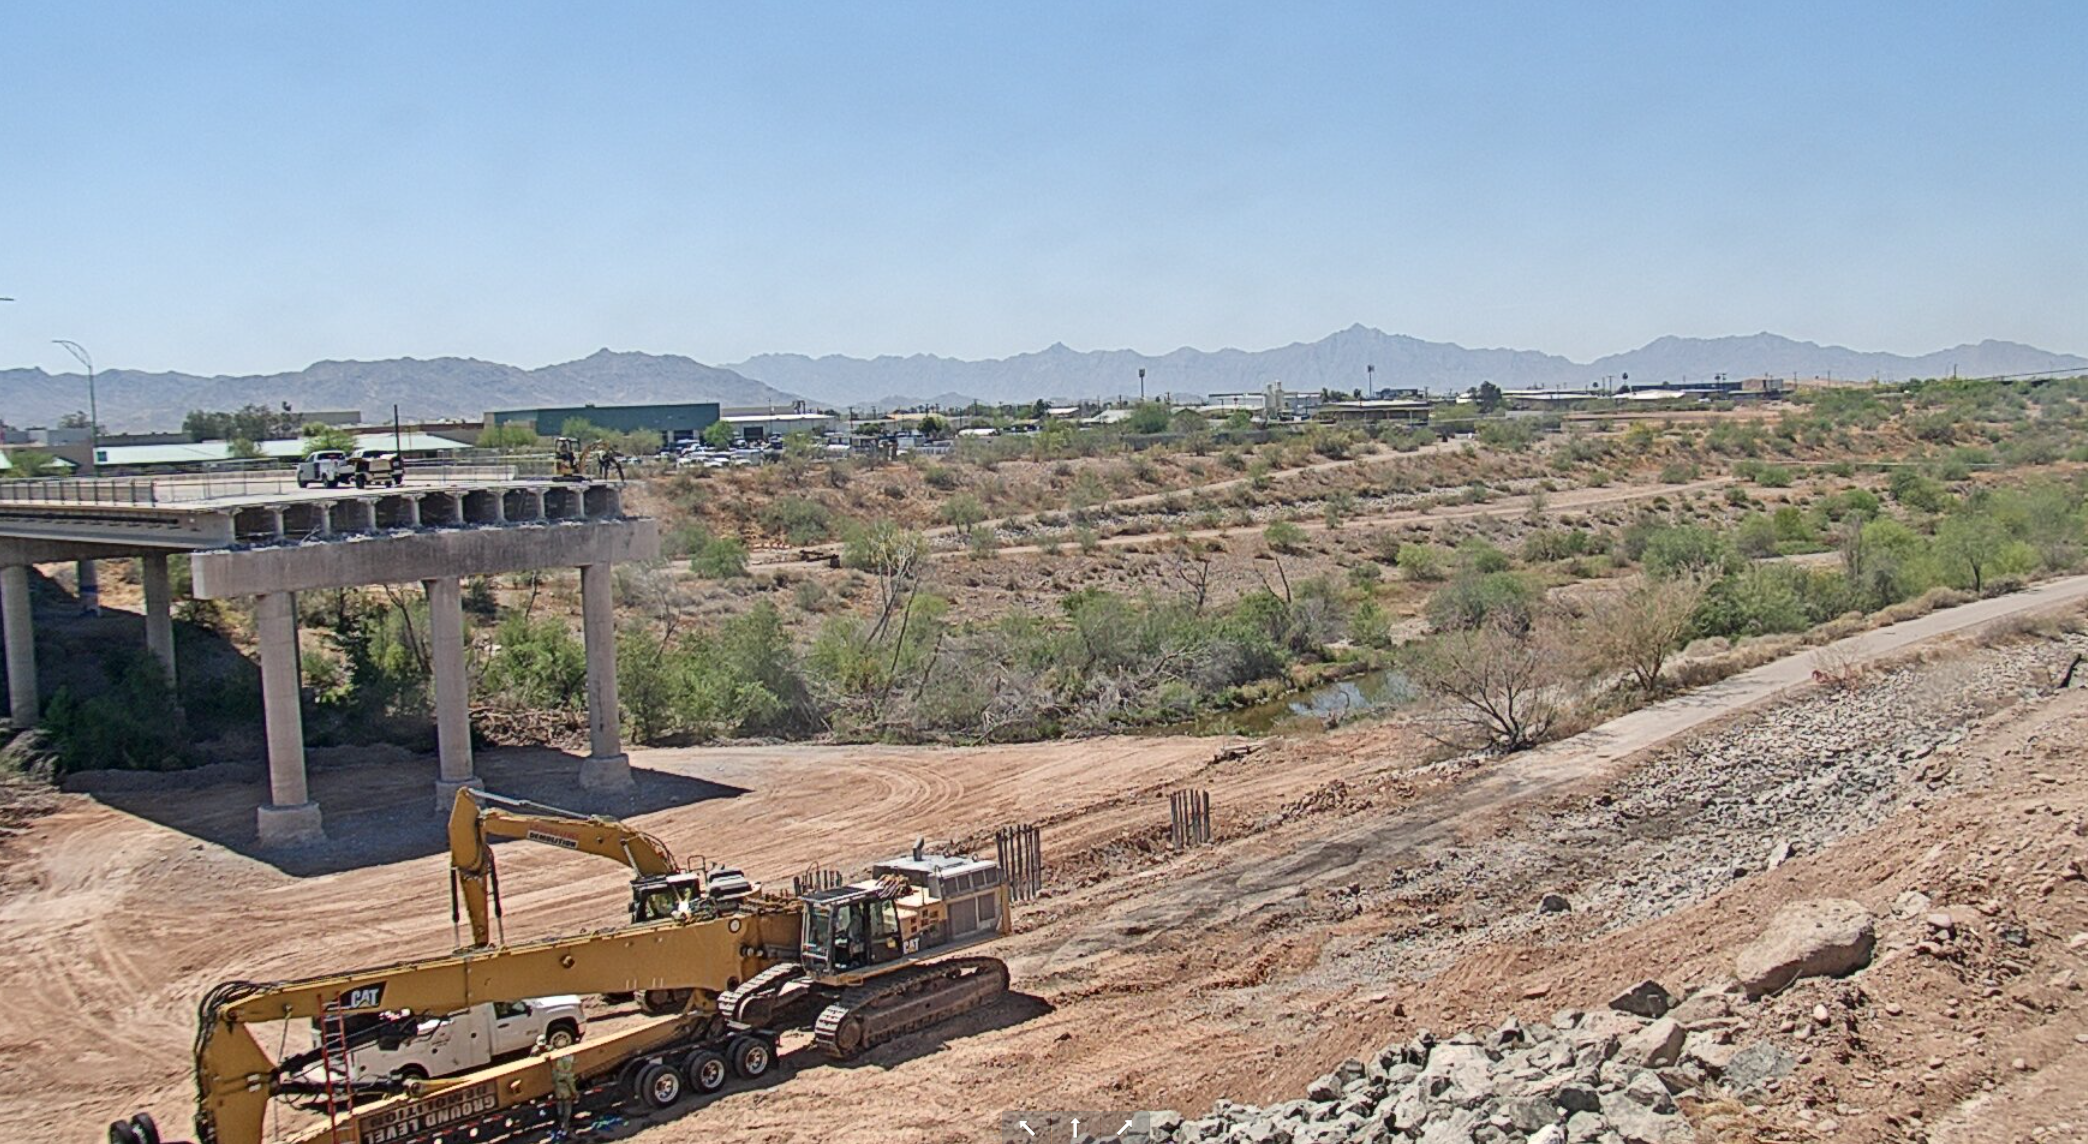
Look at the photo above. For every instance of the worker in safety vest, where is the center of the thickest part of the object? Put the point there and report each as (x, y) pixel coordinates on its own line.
(565, 1089)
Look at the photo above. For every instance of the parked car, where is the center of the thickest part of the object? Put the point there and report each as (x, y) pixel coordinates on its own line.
(412, 1049)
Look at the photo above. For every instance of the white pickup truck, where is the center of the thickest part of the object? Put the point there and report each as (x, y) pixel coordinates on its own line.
(473, 1038)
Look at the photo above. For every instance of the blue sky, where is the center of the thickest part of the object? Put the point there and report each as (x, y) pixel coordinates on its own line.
(248, 187)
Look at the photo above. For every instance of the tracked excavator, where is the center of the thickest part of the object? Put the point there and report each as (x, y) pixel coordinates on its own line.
(858, 965)
(661, 887)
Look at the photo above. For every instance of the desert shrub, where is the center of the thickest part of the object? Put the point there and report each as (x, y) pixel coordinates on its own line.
(133, 724)
(1482, 557)
(1770, 598)
(1512, 435)
(1546, 544)
(1476, 598)
(536, 664)
(1679, 472)
(1283, 536)
(1687, 549)
(944, 478)
(797, 520)
(720, 558)
(1918, 492)
(1755, 536)
(1422, 562)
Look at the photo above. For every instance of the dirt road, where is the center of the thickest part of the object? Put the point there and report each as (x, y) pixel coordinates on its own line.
(1145, 978)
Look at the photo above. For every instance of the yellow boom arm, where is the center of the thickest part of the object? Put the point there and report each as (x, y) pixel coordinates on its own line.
(478, 817)
(235, 1078)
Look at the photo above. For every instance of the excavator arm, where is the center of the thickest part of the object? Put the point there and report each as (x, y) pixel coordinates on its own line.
(236, 1078)
(478, 817)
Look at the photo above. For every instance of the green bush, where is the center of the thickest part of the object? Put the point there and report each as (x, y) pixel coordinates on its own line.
(1688, 549)
(1547, 544)
(1283, 536)
(1771, 598)
(798, 520)
(536, 664)
(1422, 562)
(1476, 598)
(133, 725)
(720, 558)
(1915, 491)
(1481, 556)
(1679, 473)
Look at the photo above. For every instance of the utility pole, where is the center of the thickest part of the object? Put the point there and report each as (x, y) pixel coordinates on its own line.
(1141, 385)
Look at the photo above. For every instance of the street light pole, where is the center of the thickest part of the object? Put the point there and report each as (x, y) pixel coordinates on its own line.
(1141, 385)
(93, 410)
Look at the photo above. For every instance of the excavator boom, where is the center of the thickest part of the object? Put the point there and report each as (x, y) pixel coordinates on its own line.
(235, 1078)
(478, 817)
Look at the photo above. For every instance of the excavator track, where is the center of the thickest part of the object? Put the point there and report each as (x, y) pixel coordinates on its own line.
(737, 1004)
(878, 1011)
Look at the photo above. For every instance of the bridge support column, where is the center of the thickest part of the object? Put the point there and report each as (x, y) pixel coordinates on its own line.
(159, 611)
(452, 690)
(291, 818)
(20, 633)
(606, 766)
(89, 578)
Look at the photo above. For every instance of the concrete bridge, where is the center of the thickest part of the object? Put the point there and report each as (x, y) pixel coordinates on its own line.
(273, 541)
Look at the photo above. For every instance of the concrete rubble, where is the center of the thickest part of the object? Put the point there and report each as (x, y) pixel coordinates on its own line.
(1605, 1077)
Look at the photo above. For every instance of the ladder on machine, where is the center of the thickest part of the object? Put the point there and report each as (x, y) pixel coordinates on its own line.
(337, 1073)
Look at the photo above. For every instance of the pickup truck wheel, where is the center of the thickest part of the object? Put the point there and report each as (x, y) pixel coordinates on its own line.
(303, 484)
(707, 1071)
(121, 1132)
(146, 1128)
(751, 1055)
(659, 1086)
(560, 1036)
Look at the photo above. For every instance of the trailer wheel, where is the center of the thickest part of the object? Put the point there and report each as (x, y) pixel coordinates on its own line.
(751, 1055)
(146, 1128)
(707, 1071)
(121, 1132)
(659, 1086)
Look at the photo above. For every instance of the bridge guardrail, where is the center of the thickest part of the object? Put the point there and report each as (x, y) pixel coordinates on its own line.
(239, 479)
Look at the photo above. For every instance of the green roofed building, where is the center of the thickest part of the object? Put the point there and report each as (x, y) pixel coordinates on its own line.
(682, 422)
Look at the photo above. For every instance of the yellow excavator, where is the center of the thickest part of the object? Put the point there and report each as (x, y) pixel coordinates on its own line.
(858, 965)
(661, 887)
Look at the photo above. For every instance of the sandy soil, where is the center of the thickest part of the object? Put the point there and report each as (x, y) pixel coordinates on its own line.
(1144, 978)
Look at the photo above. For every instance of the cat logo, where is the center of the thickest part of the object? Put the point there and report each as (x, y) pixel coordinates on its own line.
(361, 997)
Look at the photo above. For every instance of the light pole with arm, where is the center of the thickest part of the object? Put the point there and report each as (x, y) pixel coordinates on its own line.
(93, 410)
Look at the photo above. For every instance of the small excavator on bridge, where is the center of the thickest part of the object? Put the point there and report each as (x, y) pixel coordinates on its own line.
(858, 965)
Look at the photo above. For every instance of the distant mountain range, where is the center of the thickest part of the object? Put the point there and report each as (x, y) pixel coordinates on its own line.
(1342, 360)
(467, 388)
(424, 390)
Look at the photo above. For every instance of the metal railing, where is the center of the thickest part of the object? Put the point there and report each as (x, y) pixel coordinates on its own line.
(242, 480)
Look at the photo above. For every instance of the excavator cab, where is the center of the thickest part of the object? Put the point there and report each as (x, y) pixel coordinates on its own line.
(849, 929)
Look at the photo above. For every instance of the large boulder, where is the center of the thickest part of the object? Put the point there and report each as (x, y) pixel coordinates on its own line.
(1826, 937)
(1655, 1046)
(1648, 999)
